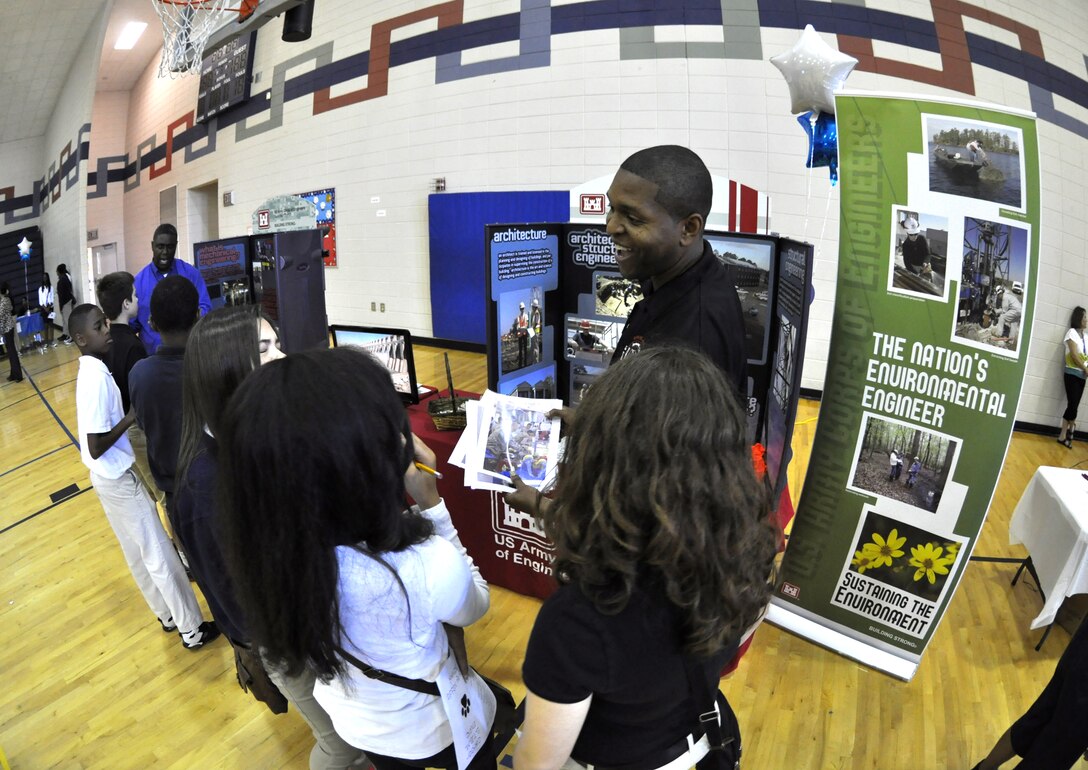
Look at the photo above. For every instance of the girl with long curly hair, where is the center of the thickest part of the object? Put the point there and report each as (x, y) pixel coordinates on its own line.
(664, 553)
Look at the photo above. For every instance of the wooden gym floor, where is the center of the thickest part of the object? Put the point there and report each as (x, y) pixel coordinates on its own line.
(89, 680)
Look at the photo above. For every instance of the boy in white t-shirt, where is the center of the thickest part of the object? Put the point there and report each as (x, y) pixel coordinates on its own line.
(107, 453)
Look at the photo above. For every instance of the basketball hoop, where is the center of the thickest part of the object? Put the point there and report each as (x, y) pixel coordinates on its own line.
(186, 27)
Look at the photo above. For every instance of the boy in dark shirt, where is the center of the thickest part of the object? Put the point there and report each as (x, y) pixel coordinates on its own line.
(155, 382)
(117, 298)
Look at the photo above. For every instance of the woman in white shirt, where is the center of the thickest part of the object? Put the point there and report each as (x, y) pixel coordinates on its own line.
(316, 457)
(1076, 372)
(45, 309)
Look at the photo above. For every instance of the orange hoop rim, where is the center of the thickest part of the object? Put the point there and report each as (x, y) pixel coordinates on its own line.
(246, 8)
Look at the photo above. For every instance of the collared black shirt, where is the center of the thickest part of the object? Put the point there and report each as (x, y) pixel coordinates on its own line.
(125, 352)
(698, 308)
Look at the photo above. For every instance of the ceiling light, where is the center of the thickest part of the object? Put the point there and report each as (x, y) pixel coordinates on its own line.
(129, 35)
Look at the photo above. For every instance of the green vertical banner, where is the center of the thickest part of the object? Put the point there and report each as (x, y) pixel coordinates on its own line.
(939, 243)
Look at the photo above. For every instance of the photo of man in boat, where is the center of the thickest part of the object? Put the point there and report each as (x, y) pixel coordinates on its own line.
(919, 254)
(975, 160)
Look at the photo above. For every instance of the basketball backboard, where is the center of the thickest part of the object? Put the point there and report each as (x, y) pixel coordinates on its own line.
(238, 24)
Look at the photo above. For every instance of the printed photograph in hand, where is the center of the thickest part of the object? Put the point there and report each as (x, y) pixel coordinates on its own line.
(518, 441)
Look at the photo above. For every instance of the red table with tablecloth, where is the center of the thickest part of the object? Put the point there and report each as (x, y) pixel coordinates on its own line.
(509, 547)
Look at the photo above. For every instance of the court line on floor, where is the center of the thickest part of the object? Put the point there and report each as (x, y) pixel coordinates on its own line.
(28, 462)
(46, 508)
(49, 406)
(16, 403)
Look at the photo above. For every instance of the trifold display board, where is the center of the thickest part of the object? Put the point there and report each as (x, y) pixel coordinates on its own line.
(933, 314)
(557, 304)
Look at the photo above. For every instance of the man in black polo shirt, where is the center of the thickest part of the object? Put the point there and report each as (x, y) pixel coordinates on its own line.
(658, 204)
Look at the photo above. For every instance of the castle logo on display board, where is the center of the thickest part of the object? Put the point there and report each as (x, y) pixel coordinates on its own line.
(591, 203)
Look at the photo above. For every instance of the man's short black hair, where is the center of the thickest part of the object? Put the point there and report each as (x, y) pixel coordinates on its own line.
(78, 319)
(113, 289)
(167, 228)
(684, 186)
(174, 304)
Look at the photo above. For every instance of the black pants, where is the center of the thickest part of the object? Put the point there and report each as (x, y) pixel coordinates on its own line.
(447, 758)
(1074, 389)
(13, 356)
(523, 349)
(1052, 735)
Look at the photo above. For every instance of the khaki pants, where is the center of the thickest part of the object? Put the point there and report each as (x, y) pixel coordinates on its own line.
(150, 556)
(138, 438)
(330, 752)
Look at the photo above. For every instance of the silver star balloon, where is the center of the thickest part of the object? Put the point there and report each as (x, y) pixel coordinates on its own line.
(24, 247)
(814, 71)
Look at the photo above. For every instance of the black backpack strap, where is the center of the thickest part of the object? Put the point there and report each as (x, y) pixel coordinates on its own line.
(706, 716)
(415, 685)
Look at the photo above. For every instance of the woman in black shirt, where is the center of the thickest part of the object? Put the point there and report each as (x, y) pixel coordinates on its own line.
(663, 552)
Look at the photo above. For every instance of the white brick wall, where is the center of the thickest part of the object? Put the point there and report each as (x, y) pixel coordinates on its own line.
(555, 127)
(64, 223)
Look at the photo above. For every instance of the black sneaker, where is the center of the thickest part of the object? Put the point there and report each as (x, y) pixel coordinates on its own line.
(169, 626)
(206, 633)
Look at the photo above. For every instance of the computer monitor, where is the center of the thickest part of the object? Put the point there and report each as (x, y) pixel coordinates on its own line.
(391, 347)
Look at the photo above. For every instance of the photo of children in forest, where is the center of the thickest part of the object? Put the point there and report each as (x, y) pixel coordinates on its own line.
(904, 462)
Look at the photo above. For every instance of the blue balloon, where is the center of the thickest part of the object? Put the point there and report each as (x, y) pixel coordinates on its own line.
(822, 141)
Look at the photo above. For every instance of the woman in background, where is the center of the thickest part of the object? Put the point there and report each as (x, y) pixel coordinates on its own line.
(45, 309)
(334, 573)
(224, 348)
(663, 553)
(66, 301)
(1076, 372)
(7, 328)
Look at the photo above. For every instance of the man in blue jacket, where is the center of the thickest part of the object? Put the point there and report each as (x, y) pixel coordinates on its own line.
(164, 245)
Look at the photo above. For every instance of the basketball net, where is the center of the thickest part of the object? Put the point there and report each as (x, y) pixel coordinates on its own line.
(186, 27)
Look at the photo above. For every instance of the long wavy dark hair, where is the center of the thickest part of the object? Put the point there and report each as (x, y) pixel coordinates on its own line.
(312, 456)
(222, 350)
(657, 483)
(1077, 318)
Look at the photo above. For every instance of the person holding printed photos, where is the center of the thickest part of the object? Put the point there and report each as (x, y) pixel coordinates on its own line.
(335, 575)
(664, 555)
(659, 201)
(1076, 372)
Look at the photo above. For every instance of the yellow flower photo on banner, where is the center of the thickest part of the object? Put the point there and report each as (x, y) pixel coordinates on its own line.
(927, 558)
(886, 550)
(863, 559)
